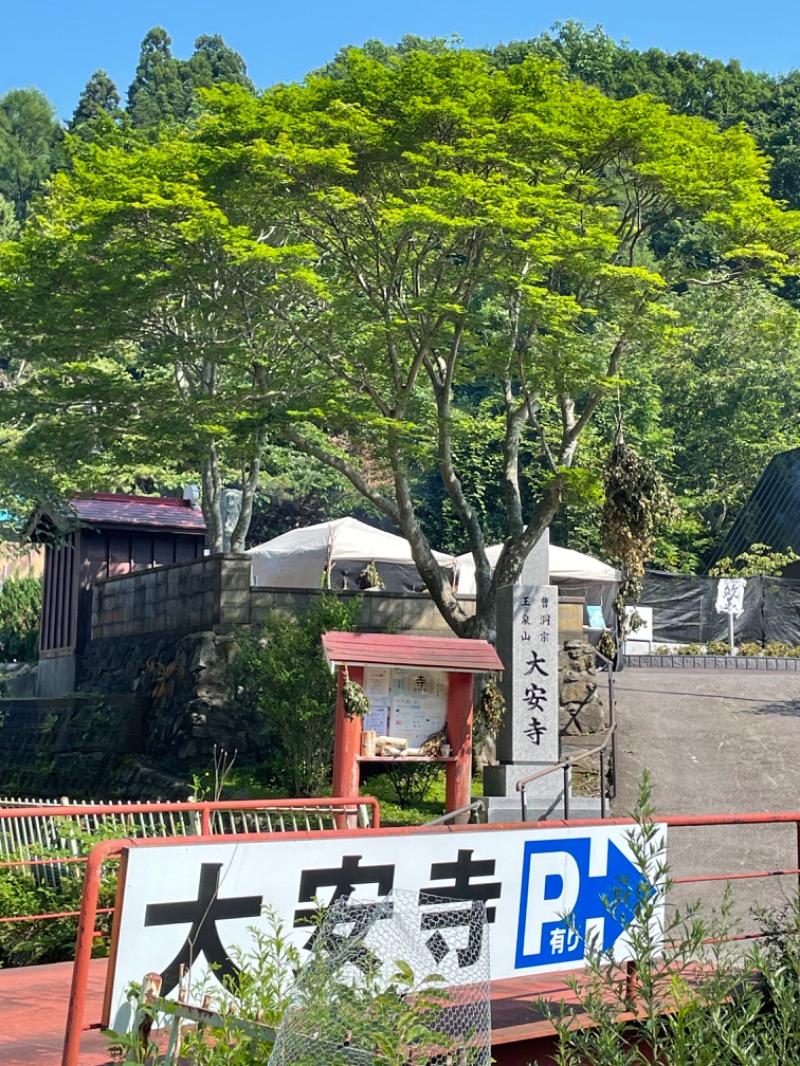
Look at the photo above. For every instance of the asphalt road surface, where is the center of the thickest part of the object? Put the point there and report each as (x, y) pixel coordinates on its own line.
(716, 743)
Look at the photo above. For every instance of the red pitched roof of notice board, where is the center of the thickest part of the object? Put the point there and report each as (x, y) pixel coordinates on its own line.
(385, 649)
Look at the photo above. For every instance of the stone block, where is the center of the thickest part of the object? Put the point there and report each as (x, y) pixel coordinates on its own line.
(578, 691)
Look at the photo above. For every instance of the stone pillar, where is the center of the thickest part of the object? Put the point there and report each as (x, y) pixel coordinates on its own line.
(528, 644)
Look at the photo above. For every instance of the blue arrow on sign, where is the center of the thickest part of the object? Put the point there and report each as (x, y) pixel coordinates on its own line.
(559, 897)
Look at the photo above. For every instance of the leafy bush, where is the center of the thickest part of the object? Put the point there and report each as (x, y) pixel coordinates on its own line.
(282, 674)
(750, 648)
(718, 647)
(759, 559)
(49, 888)
(20, 608)
(781, 649)
(689, 649)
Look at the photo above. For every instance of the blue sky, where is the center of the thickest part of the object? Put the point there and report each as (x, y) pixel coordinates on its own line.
(56, 44)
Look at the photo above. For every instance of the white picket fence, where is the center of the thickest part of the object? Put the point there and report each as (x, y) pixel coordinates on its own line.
(27, 837)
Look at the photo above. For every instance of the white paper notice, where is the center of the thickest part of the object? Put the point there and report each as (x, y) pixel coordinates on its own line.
(376, 681)
(419, 704)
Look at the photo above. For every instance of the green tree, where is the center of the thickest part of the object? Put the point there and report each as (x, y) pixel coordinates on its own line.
(282, 674)
(213, 62)
(149, 323)
(20, 607)
(29, 134)
(98, 104)
(483, 227)
(157, 91)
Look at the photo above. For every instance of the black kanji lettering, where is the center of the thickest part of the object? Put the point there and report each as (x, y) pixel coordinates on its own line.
(343, 880)
(535, 731)
(536, 662)
(203, 939)
(535, 696)
(461, 872)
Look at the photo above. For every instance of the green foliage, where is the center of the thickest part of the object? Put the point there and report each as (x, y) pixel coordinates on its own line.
(718, 647)
(283, 676)
(244, 1038)
(750, 648)
(97, 107)
(20, 609)
(164, 88)
(759, 559)
(491, 709)
(636, 499)
(532, 292)
(47, 888)
(29, 134)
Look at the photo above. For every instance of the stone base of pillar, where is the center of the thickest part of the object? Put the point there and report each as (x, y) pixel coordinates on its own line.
(540, 808)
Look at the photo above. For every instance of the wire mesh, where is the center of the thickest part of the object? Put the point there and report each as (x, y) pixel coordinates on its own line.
(402, 980)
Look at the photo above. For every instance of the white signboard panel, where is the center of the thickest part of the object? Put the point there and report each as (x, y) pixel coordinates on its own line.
(544, 890)
(419, 704)
(730, 595)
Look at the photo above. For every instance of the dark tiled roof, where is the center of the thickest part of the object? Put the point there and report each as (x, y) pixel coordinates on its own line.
(382, 649)
(147, 512)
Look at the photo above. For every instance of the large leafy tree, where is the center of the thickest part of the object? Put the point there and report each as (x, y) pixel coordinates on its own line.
(484, 262)
(149, 320)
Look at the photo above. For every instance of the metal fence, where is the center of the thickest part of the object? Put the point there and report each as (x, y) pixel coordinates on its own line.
(34, 827)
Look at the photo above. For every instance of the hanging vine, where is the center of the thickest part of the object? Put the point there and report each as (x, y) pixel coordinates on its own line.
(636, 500)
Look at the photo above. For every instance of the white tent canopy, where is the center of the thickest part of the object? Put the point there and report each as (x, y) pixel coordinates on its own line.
(566, 565)
(299, 558)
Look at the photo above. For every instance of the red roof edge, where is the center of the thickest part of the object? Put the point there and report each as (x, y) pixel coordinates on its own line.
(384, 649)
(122, 497)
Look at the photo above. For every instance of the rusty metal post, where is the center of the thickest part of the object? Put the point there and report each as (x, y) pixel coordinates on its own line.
(83, 948)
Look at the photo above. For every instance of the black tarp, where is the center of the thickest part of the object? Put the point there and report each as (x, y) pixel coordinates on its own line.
(684, 612)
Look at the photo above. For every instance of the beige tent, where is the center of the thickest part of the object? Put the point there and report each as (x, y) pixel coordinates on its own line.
(335, 554)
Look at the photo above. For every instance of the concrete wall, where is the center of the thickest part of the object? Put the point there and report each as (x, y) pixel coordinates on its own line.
(215, 593)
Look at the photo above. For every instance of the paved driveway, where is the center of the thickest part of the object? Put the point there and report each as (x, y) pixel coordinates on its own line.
(716, 743)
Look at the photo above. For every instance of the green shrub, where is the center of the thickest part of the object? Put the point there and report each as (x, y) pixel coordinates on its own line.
(779, 648)
(689, 649)
(750, 648)
(718, 647)
(20, 608)
(282, 676)
(50, 888)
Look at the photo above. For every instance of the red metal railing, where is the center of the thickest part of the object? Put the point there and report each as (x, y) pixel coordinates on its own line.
(110, 849)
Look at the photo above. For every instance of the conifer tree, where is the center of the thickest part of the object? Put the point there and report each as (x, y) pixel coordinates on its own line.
(98, 101)
(157, 92)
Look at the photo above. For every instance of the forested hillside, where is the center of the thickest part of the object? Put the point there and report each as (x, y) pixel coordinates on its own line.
(708, 391)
